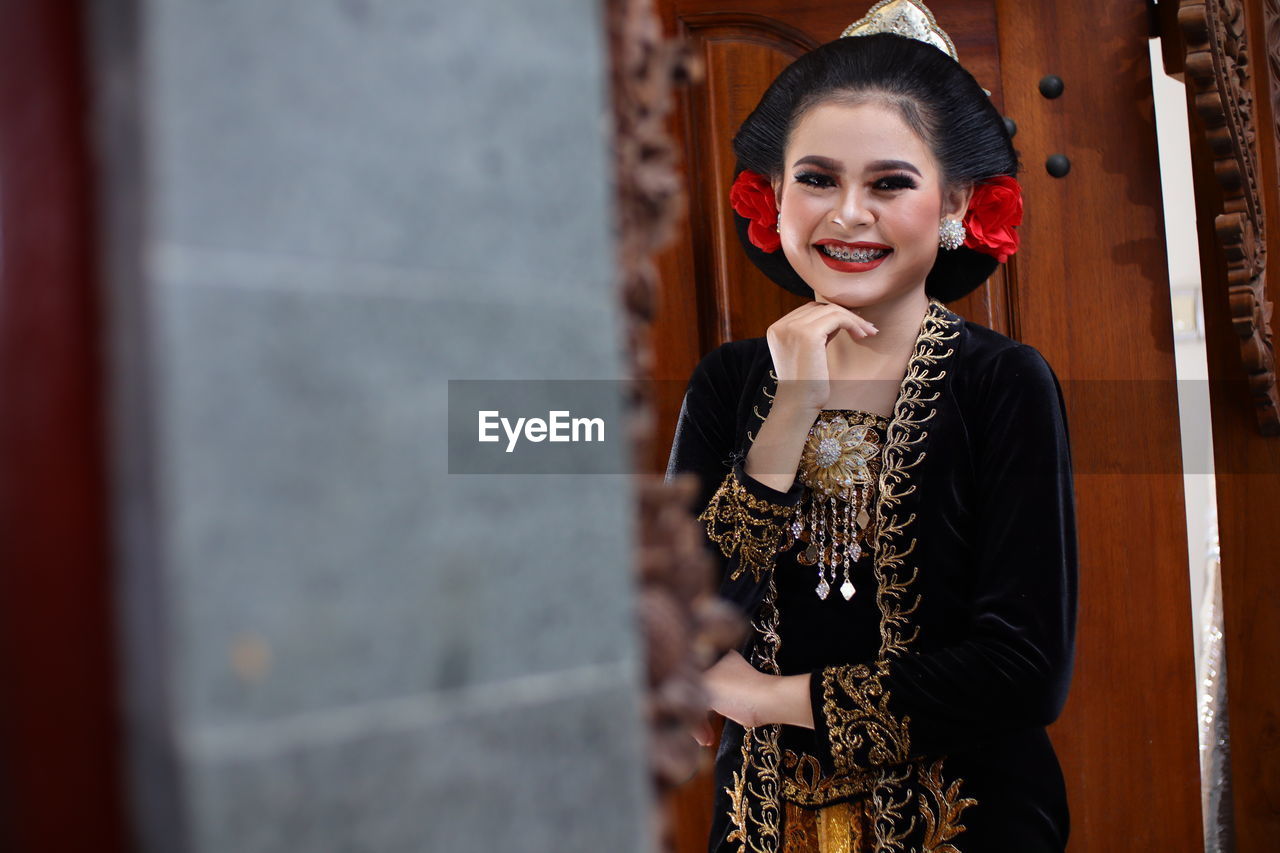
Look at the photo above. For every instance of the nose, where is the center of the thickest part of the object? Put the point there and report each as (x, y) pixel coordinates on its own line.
(852, 209)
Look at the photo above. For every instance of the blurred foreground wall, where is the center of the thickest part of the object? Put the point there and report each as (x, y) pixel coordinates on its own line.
(316, 213)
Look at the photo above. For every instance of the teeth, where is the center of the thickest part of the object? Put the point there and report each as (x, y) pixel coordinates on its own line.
(859, 255)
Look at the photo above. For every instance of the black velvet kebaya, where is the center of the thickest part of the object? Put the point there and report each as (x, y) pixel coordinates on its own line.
(932, 685)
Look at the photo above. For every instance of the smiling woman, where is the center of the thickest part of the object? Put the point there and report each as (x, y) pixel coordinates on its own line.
(876, 444)
(851, 208)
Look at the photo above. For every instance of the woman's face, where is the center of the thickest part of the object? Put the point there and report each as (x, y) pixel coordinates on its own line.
(857, 181)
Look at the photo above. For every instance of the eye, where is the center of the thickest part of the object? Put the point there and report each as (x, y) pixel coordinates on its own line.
(815, 179)
(896, 182)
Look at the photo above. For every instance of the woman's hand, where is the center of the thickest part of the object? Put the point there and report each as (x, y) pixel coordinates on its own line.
(737, 689)
(798, 343)
(751, 698)
(704, 733)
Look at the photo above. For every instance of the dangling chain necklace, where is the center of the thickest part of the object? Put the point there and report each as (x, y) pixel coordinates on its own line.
(840, 466)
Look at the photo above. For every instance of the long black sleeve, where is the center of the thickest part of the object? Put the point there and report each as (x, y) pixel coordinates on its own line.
(746, 519)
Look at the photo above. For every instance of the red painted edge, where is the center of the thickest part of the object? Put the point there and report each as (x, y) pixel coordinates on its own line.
(60, 765)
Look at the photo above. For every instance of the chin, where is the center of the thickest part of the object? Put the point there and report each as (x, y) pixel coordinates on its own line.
(852, 296)
(850, 301)
(863, 295)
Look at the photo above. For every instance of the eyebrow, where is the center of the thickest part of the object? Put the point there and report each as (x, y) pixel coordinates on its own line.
(875, 166)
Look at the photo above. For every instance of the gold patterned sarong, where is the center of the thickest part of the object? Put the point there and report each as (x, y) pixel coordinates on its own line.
(837, 828)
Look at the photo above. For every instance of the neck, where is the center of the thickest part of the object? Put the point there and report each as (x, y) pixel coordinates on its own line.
(898, 322)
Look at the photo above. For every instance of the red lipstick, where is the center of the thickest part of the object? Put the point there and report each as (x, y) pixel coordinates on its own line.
(851, 266)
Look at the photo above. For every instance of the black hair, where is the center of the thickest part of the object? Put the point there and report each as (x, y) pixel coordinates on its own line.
(936, 97)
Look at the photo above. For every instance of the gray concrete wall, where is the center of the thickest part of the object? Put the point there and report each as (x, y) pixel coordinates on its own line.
(317, 213)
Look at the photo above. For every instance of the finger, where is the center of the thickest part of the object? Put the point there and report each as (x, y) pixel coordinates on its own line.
(829, 323)
(857, 318)
(790, 323)
(792, 316)
(804, 309)
(809, 311)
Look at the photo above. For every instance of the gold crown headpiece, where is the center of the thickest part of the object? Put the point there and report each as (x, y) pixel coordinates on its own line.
(909, 18)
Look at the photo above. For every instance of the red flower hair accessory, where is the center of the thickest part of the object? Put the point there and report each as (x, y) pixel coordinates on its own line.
(752, 198)
(994, 211)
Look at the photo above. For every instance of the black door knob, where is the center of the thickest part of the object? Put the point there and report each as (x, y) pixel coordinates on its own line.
(1051, 86)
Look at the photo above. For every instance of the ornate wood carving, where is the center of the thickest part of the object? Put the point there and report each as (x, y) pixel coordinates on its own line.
(684, 624)
(1271, 25)
(1218, 69)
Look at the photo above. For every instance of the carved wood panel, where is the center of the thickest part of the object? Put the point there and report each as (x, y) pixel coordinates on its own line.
(1219, 70)
(683, 626)
(1271, 44)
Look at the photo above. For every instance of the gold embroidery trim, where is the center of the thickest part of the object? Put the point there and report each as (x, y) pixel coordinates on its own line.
(751, 436)
(892, 577)
(891, 796)
(940, 808)
(806, 784)
(759, 829)
(754, 528)
(840, 828)
(889, 826)
(863, 732)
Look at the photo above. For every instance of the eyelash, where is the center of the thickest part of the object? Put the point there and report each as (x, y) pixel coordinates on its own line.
(814, 179)
(820, 181)
(898, 182)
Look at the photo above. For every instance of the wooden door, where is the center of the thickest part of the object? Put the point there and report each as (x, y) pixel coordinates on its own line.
(1088, 288)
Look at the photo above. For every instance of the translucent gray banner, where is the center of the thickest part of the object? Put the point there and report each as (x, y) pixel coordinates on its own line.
(1116, 426)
